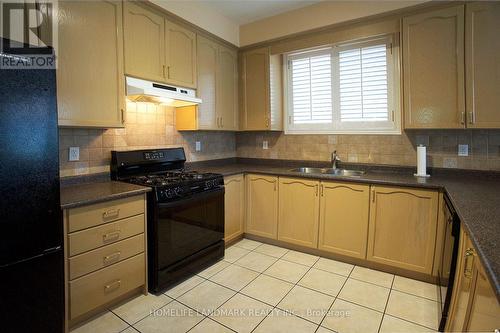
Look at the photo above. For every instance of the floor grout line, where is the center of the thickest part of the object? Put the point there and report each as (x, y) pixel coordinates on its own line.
(336, 297)
(386, 303)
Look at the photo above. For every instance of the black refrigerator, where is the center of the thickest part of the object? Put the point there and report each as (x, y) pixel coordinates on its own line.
(31, 227)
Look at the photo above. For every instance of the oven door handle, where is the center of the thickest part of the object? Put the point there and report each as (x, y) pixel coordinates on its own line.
(193, 198)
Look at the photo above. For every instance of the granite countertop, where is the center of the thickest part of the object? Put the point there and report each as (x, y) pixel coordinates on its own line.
(81, 194)
(474, 195)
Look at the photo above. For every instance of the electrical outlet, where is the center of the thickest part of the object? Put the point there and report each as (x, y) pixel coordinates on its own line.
(74, 153)
(265, 145)
(198, 146)
(463, 150)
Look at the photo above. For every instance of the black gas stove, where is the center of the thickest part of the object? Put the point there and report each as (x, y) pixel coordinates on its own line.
(178, 184)
(185, 212)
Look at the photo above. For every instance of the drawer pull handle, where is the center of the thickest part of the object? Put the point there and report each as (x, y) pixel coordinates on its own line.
(112, 286)
(111, 258)
(111, 213)
(111, 236)
(468, 265)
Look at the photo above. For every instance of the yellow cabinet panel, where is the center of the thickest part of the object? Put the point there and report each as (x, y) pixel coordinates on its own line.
(433, 68)
(227, 89)
(343, 221)
(180, 53)
(485, 309)
(298, 211)
(144, 32)
(402, 228)
(90, 81)
(482, 46)
(207, 75)
(262, 206)
(462, 287)
(255, 90)
(234, 206)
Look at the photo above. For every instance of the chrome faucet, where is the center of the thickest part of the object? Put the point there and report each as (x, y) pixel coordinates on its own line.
(335, 160)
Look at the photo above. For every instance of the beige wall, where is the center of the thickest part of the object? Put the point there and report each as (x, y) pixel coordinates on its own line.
(204, 17)
(315, 16)
(484, 147)
(148, 126)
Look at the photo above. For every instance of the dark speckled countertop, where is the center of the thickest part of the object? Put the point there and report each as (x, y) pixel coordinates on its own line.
(81, 194)
(474, 195)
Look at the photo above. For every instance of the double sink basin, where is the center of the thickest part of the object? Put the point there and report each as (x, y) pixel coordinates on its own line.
(329, 171)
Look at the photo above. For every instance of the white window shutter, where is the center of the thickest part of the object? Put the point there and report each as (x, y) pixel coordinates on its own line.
(311, 88)
(363, 83)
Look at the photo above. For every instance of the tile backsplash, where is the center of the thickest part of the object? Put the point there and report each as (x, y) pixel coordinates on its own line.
(147, 126)
(152, 126)
(442, 147)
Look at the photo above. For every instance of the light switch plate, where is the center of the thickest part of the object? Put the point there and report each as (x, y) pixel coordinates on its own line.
(74, 154)
(198, 146)
(265, 145)
(463, 150)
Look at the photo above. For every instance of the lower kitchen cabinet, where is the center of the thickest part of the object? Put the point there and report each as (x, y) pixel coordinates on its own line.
(262, 205)
(343, 218)
(234, 207)
(105, 254)
(402, 228)
(298, 211)
(474, 306)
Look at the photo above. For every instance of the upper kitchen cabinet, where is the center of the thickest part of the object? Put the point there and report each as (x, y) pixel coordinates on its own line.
(402, 228)
(180, 52)
(260, 90)
(90, 80)
(144, 32)
(227, 89)
(157, 49)
(206, 114)
(433, 69)
(482, 49)
(217, 67)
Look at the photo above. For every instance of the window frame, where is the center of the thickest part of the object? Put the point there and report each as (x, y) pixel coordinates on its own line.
(391, 127)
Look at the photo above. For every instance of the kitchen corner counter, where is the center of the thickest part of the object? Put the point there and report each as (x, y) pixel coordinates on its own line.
(475, 196)
(75, 195)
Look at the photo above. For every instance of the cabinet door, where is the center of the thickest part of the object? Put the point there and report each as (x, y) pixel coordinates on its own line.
(343, 221)
(482, 45)
(180, 55)
(298, 211)
(144, 42)
(485, 310)
(255, 90)
(462, 287)
(90, 81)
(234, 207)
(207, 67)
(227, 88)
(433, 59)
(402, 228)
(262, 206)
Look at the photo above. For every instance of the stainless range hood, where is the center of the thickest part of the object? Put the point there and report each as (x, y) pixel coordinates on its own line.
(147, 91)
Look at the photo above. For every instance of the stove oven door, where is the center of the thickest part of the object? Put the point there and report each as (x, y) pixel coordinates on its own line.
(188, 226)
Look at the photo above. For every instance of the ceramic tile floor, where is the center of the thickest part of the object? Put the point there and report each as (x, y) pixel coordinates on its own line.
(264, 288)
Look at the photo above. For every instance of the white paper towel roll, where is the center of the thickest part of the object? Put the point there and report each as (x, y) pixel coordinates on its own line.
(421, 161)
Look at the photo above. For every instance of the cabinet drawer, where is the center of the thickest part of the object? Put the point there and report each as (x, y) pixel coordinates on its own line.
(90, 239)
(98, 288)
(89, 216)
(105, 256)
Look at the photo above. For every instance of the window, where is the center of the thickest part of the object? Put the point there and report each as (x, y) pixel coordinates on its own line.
(346, 88)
